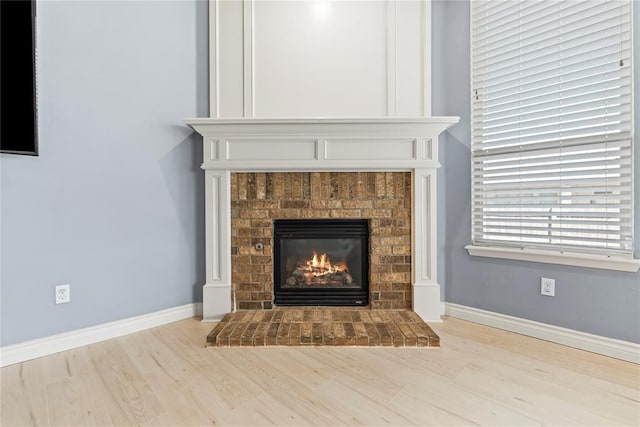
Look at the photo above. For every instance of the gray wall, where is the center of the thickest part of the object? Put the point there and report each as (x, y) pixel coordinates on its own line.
(114, 203)
(114, 206)
(600, 302)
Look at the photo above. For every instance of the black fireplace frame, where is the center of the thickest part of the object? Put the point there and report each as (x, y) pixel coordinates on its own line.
(320, 229)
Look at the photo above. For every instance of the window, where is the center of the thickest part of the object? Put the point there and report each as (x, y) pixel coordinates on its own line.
(552, 128)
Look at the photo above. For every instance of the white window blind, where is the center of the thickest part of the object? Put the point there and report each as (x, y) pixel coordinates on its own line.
(552, 125)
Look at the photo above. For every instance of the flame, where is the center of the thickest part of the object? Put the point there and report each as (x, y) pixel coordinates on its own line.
(320, 265)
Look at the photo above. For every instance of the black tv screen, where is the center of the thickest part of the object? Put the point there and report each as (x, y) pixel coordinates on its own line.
(17, 77)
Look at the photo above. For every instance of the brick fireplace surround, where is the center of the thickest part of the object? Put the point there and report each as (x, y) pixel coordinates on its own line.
(382, 197)
(382, 169)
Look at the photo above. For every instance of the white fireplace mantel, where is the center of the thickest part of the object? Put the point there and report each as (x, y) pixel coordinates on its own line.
(320, 144)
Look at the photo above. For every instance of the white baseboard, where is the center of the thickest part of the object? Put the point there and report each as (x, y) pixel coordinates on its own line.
(594, 343)
(33, 349)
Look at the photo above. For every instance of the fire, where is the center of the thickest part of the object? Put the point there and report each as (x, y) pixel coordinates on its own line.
(320, 265)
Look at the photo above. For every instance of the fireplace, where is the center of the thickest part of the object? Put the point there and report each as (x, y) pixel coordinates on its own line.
(321, 262)
(317, 145)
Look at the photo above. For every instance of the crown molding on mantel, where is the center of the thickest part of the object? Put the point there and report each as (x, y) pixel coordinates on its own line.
(328, 144)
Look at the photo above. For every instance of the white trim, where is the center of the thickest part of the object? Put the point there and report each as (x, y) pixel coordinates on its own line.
(392, 58)
(618, 349)
(426, 57)
(604, 262)
(249, 55)
(214, 59)
(17, 353)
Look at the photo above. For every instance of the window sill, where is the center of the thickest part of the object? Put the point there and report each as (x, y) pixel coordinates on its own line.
(631, 265)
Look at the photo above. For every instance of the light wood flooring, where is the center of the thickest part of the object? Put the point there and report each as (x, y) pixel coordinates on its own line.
(165, 376)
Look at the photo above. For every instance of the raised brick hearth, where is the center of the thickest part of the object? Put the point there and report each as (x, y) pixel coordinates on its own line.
(382, 197)
(322, 326)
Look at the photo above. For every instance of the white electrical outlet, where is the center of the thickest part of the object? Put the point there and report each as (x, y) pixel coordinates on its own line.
(547, 287)
(63, 293)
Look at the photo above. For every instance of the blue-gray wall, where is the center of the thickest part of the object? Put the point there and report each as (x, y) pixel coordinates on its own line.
(114, 207)
(114, 203)
(600, 302)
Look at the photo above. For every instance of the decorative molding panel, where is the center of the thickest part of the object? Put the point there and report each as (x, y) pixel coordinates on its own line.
(320, 58)
(370, 149)
(271, 149)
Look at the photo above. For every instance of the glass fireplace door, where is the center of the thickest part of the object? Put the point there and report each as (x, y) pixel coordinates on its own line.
(321, 262)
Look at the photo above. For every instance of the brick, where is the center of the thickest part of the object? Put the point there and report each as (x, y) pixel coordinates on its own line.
(306, 333)
(242, 186)
(283, 334)
(316, 333)
(268, 185)
(326, 204)
(397, 296)
(401, 268)
(294, 204)
(339, 334)
(233, 186)
(385, 336)
(318, 315)
(278, 186)
(255, 213)
(372, 332)
(377, 213)
(315, 214)
(395, 240)
(294, 333)
(260, 334)
(388, 203)
(288, 185)
(243, 295)
(259, 223)
(241, 223)
(328, 336)
(268, 316)
(246, 339)
(250, 232)
(404, 287)
(357, 204)
(296, 185)
(350, 333)
(346, 213)
(398, 182)
(234, 337)
(261, 259)
(261, 296)
(272, 334)
(341, 316)
(389, 184)
(306, 186)
(249, 305)
(401, 249)
(362, 337)
(251, 186)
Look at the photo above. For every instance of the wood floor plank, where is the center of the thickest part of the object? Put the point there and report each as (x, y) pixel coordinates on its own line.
(166, 376)
(124, 382)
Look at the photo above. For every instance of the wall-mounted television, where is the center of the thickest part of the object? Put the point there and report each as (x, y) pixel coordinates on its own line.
(18, 112)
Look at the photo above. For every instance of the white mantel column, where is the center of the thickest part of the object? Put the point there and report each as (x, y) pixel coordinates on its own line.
(217, 290)
(426, 290)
